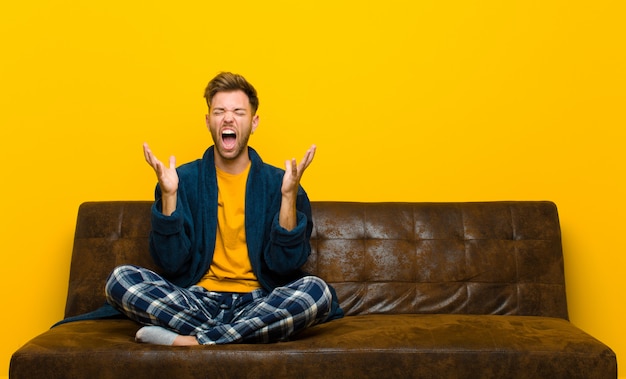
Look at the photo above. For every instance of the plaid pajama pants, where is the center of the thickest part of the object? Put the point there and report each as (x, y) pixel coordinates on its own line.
(217, 317)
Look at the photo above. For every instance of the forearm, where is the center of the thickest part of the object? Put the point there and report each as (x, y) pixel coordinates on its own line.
(287, 217)
(168, 203)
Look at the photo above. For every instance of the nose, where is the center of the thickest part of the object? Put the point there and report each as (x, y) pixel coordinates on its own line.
(228, 116)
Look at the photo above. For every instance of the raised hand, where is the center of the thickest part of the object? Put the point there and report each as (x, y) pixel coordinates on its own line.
(294, 172)
(289, 189)
(167, 177)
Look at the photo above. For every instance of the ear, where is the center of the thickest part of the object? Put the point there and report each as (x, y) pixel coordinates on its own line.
(255, 122)
(206, 120)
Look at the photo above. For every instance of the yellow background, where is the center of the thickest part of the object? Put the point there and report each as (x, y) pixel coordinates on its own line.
(427, 100)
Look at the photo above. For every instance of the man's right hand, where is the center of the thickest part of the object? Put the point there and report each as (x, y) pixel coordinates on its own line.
(167, 177)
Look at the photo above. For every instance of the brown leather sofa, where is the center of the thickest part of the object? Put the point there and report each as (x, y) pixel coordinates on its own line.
(430, 290)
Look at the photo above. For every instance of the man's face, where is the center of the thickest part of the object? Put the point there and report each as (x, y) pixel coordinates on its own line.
(230, 121)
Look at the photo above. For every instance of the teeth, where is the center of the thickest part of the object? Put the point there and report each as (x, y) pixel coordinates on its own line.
(228, 132)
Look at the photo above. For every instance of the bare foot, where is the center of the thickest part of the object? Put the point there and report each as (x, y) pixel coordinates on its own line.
(185, 341)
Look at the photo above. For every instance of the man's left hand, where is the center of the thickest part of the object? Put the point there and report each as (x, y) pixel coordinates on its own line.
(294, 171)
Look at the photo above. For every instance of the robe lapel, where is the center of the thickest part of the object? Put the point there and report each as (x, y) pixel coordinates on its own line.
(255, 211)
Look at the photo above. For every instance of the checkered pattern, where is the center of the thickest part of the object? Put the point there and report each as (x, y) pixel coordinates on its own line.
(214, 317)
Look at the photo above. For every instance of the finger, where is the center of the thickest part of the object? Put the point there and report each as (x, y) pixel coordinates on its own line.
(291, 168)
(172, 162)
(288, 165)
(150, 158)
(146, 152)
(310, 154)
(313, 149)
(308, 158)
(158, 168)
(294, 167)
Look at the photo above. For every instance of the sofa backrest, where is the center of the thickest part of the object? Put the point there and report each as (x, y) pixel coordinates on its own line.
(463, 258)
(468, 258)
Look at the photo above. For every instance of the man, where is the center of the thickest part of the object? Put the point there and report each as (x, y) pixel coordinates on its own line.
(230, 234)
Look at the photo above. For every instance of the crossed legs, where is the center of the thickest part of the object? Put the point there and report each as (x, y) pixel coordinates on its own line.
(189, 316)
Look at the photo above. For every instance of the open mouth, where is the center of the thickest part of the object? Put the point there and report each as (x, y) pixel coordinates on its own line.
(229, 139)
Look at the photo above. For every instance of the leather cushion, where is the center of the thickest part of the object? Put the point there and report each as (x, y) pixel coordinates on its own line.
(367, 346)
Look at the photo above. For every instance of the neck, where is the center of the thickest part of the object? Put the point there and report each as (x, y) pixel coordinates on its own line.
(232, 166)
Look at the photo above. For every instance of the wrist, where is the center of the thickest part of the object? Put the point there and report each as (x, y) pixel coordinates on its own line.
(289, 197)
(168, 201)
(288, 215)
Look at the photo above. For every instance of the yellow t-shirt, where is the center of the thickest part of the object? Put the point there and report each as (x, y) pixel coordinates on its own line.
(231, 270)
